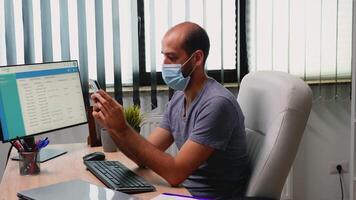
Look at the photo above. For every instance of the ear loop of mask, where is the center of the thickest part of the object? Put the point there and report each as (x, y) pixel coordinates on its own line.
(186, 63)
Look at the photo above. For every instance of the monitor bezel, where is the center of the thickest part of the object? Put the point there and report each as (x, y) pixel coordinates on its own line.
(52, 130)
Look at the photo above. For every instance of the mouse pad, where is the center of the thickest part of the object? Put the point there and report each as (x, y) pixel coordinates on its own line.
(46, 154)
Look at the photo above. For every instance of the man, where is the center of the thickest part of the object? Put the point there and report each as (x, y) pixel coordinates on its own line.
(203, 119)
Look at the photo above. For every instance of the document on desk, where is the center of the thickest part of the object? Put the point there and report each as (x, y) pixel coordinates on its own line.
(74, 190)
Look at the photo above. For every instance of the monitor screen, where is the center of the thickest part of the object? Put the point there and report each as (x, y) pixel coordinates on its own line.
(39, 98)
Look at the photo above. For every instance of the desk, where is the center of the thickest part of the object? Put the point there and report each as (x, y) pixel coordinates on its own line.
(70, 166)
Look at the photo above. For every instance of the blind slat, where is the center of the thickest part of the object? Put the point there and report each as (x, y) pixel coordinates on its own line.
(153, 54)
(169, 13)
(11, 55)
(2, 35)
(135, 53)
(321, 45)
(100, 51)
(337, 50)
(272, 34)
(204, 14)
(222, 42)
(243, 68)
(187, 10)
(47, 48)
(64, 23)
(117, 51)
(83, 49)
(237, 40)
(29, 46)
(289, 22)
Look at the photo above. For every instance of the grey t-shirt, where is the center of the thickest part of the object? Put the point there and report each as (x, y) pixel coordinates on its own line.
(213, 119)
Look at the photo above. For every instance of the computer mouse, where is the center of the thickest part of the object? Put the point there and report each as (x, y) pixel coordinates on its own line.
(94, 156)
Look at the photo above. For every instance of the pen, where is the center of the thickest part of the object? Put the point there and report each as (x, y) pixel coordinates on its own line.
(41, 140)
(24, 144)
(17, 145)
(42, 143)
(21, 143)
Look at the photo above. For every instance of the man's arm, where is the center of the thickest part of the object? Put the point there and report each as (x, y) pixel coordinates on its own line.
(173, 169)
(159, 137)
(176, 169)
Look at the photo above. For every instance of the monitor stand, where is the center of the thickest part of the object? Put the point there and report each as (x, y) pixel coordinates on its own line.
(46, 154)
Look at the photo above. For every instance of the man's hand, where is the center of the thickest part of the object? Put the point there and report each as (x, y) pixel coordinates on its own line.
(108, 112)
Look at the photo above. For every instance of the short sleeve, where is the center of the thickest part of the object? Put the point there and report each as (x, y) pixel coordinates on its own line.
(215, 123)
(165, 123)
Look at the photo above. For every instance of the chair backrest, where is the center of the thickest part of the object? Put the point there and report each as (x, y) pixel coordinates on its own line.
(276, 106)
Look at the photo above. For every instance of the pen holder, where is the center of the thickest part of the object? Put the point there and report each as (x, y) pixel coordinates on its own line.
(107, 142)
(29, 162)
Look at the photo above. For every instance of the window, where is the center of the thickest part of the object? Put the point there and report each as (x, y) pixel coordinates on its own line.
(41, 31)
(311, 39)
(217, 17)
(163, 15)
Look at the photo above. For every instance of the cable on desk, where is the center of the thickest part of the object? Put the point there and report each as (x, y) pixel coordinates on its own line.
(9, 152)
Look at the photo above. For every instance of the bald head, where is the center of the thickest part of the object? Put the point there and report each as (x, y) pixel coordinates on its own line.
(192, 37)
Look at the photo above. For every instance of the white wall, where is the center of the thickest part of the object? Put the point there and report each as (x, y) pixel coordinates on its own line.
(326, 139)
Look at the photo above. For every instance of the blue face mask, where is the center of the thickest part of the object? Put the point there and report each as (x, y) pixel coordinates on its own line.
(173, 76)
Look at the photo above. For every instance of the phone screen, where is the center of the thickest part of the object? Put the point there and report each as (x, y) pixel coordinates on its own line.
(94, 85)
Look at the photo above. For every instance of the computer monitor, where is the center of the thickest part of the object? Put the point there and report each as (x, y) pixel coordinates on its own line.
(39, 98)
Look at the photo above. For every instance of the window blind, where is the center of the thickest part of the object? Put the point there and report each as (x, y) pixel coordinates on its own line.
(220, 24)
(46, 31)
(115, 42)
(311, 39)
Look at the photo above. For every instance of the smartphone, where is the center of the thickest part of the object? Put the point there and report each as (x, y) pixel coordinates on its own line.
(94, 85)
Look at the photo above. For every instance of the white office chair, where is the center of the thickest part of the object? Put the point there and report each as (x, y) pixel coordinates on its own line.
(276, 106)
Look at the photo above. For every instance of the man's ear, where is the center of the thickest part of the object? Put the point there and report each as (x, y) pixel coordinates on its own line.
(199, 58)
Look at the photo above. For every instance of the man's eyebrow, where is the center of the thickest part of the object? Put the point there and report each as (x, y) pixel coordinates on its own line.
(168, 53)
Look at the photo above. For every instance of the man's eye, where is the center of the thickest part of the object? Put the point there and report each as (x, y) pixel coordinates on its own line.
(172, 58)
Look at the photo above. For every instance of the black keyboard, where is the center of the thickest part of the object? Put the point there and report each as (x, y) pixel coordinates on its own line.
(118, 177)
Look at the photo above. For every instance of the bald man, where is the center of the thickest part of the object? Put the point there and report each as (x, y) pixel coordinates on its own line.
(203, 119)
